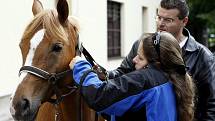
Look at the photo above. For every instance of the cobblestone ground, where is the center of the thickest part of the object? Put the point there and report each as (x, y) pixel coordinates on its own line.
(4, 109)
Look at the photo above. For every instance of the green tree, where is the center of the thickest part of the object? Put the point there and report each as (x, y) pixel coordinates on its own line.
(201, 19)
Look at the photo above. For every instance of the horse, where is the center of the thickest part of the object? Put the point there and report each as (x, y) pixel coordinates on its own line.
(47, 91)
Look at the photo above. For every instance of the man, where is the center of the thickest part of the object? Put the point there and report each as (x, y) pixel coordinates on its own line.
(172, 17)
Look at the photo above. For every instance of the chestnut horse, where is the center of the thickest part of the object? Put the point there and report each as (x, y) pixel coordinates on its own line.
(48, 45)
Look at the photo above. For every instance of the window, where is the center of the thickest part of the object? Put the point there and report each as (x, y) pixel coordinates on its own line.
(114, 31)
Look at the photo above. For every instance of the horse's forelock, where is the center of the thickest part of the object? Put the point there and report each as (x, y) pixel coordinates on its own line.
(48, 19)
(53, 26)
(66, 32)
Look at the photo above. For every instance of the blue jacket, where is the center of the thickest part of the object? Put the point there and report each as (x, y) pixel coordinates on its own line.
(150, 99)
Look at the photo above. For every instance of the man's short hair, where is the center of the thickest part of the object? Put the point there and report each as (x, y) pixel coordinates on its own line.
(181, 5)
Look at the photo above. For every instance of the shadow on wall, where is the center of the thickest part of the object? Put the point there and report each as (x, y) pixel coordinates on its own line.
(4, 108)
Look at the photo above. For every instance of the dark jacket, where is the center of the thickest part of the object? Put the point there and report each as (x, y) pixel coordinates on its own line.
(129, 98)
(201, 66)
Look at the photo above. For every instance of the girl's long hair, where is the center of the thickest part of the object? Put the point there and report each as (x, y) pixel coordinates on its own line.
(169, 59)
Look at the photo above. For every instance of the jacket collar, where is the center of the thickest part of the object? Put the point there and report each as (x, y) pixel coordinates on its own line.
(191, 44)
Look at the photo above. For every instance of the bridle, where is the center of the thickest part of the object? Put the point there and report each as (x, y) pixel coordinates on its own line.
(54, 78)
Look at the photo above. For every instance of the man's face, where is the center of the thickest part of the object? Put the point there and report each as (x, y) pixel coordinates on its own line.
(167, 20)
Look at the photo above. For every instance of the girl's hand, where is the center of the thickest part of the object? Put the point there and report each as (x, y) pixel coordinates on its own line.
(75, 60)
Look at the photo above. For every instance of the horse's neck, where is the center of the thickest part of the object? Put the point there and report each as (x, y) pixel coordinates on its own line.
(46, 113)
(75, 109)
(70, 107)
(66, 109)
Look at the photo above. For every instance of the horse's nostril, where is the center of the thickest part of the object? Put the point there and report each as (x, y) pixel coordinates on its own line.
(25, 104)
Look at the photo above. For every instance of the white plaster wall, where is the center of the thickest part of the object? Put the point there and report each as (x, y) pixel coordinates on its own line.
(14, 16)
(4, 110)
(93, 17)
(93, 22)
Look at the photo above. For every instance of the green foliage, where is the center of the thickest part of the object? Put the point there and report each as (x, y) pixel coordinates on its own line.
(202, 21)
(203, 12)
(212, 30)
(209, 18)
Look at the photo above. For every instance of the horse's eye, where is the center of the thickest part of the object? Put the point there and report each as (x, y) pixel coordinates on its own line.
(57, 47)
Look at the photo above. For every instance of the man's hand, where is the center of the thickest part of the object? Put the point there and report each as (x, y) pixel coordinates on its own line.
(75, 60)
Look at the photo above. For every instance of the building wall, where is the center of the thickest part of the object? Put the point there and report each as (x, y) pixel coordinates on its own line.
(93, 17)
(93, 21)
(137, 17)
(15, 15)
(4, 110)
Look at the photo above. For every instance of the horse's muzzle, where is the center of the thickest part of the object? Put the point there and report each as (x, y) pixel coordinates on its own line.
(23, 110)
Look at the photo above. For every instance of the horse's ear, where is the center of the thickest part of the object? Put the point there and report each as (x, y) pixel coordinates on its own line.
(63, 11)
(37, 7)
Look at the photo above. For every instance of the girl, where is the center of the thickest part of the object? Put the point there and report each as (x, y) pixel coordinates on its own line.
(159, 89)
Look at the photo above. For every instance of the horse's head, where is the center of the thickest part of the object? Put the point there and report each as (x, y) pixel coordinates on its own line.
(48, 43)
